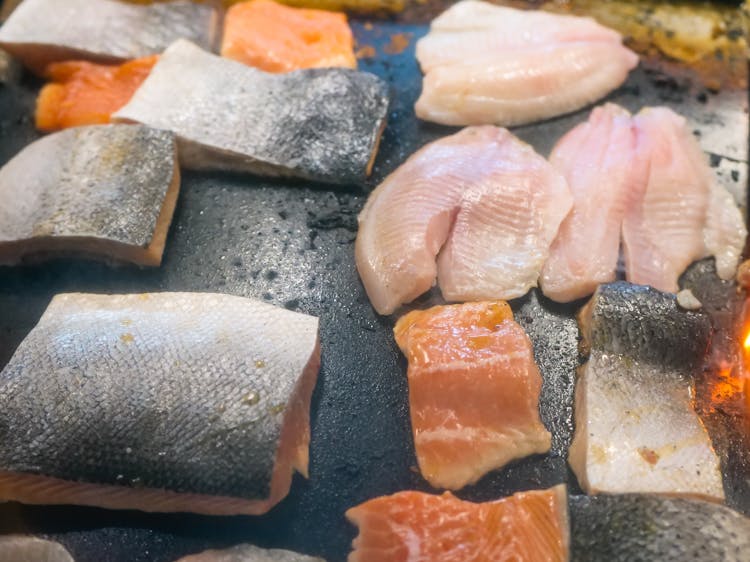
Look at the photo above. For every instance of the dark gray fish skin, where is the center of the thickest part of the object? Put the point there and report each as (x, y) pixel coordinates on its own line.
(39, 32)
(321, 124)
(183, 392)
(646, 325)
(106, 191)
(645, 528)
(249, 553)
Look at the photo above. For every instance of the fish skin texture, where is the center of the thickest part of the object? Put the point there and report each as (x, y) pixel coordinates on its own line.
(249, 553)
(473, 391)
(481, 199)
(174, 402)
(642, 528)
(20, 548)
(104, 191)
(40, 32)
(317, 124)
(417, 527)
(636, 428)
(606, 175)
(684, 215)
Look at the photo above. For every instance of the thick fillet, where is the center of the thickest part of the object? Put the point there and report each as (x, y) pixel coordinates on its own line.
(684, 214)
(473, 391)
(40, 32)
(320, 124)
(106, 192)
(159, 402)
(636, 427)
(416, 527)
(606, 175)
(20, 548)
(249, 553)
(481, 199)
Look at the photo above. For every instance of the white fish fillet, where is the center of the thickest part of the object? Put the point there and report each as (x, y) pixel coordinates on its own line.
(19, 548)
(483, 200)
(606, 175)
(249, 553)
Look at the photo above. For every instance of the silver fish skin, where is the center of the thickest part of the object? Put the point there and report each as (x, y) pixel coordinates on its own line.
(319, 124)
(644, 528)
(636, 428)
(103, 191)
(249, 553)
(40, 32)
(158, 402)
(20, 548)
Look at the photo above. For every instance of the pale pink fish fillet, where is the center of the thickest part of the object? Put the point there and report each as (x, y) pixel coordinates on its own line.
(606, 175)
(512, 88)
(471, 28)
(497, 191)
(684, 215)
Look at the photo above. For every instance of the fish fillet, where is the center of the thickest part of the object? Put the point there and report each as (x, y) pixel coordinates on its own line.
(636, 428)
(416, 527)
(481, 199)
(249, 553)
(40, 32)
(106, 192)
(317, 124)
(606, 175)
(684, 214)
(18, 548)
(158, 402)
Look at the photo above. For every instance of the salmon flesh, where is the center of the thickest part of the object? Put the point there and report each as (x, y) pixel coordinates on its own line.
(106, 192)
(158, 402)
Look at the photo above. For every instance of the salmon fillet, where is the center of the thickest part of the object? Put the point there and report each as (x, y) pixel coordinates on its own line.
(277, 38)
(473, 391)
(415, 527)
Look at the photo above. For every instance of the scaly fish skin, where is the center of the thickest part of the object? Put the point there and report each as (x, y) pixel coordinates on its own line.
(158, 402)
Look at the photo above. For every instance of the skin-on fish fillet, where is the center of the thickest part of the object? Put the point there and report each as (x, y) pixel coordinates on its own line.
(606, 175)
(684, 214)
(318, 124)
(19, 548)
(40, 32)
(159, 402)
(418, 527)
(106, 192)
(483, 200)
(249, 553)
(473, 391)
(636, 428)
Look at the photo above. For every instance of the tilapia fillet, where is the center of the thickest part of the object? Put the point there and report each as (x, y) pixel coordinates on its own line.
(40, 32)
(318, 124)
(477, 210)
(102, 191)
(636, 429)
(473, 391)
(158, 402)
(249, 553)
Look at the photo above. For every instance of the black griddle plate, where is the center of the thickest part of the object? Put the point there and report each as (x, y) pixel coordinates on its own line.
(291, 244)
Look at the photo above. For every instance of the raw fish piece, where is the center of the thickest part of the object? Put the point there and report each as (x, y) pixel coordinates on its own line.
(473, 391)
(416, 527)
(170, 402)
(636, 428)
(640, 528)
(516, 87)
(318, 124)
(471, 28)
(105, 191)
(249, 553)
(482, 199)
(606, 176)
(276, 38)
(18, 548)
(83, 93)
(684, 214)
(40, 32)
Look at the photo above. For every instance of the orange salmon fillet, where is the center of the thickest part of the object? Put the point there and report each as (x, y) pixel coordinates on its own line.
(417, 527)
(277, 38)
(473, 391)
(84, 93)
